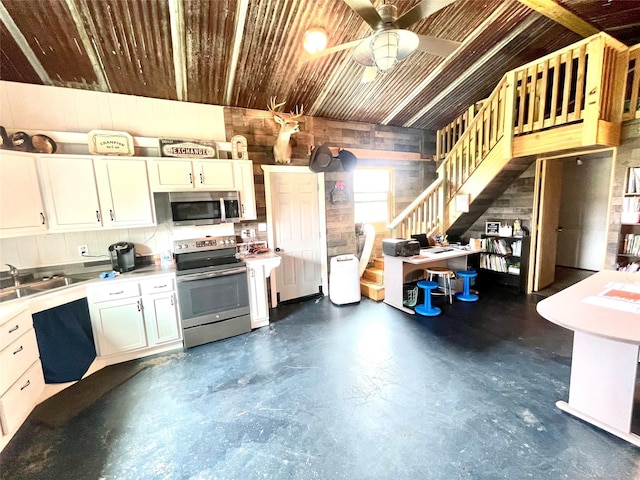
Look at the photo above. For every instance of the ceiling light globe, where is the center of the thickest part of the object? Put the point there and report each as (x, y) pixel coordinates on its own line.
(315, 40)
(385, 50)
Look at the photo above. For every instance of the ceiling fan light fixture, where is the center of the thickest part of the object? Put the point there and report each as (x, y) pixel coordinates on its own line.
(314, 40)
(384, 47)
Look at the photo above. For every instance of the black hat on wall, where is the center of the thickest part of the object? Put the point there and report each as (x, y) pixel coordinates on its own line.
(321, 158)
(349, 160)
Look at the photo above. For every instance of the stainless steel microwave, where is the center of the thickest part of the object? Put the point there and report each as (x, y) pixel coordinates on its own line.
(204, 208)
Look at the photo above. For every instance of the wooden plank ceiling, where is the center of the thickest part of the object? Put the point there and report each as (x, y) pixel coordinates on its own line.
(241, 52)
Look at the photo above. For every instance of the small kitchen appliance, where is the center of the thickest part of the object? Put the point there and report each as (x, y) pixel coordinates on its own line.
(123, 256)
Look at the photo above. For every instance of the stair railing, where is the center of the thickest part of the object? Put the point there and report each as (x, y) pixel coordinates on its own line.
(631, 107)
(423, 215)
(575, 84)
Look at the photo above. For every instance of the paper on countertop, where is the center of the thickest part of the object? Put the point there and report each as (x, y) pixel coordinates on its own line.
(618, 296)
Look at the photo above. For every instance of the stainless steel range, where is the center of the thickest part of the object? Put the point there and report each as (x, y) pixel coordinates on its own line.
(212, 289)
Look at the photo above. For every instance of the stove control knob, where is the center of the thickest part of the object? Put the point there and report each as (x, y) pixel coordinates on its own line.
(231, 240)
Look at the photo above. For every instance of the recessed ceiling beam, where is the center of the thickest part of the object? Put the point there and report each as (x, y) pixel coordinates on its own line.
(409, 98)
(241, 19)
(559, 14)
(472, 71)
(89, 48)
(176, 19)
(22, 43)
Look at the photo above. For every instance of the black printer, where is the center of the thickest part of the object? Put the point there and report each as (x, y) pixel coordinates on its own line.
(400, 247)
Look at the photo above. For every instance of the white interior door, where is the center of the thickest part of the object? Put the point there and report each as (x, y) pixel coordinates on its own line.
(296, 233)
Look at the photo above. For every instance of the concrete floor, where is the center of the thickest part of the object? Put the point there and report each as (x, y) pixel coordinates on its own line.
(342, 392)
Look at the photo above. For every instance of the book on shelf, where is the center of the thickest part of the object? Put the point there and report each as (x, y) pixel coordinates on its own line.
(498, 263)
(633, 182)
(629, 267)
(631, 244)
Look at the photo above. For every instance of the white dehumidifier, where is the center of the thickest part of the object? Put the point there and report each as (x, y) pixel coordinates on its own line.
(344, 280)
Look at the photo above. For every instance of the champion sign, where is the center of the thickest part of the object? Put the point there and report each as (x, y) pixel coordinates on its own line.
(181, 149)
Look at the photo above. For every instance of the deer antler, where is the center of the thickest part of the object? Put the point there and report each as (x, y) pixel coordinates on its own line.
(297, 115)
(273, 107)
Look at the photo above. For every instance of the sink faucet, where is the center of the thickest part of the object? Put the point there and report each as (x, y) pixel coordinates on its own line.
(13, 271)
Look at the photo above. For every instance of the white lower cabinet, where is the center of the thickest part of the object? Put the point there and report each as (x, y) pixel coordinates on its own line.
(258, 269)
(21, 378)
(134, 316)
(161, 310)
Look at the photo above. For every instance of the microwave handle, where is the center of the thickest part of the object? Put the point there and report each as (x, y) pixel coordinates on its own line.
(223, 213)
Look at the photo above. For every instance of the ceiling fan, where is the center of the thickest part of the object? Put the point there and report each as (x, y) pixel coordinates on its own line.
(391, 42)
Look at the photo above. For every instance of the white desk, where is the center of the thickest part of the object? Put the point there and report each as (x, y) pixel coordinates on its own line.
(605, 353)
(397, 268)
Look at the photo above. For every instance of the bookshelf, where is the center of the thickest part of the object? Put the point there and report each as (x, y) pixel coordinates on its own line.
(505, 261)
(628, 257)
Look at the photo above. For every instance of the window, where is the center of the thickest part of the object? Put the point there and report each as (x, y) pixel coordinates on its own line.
(372, 195)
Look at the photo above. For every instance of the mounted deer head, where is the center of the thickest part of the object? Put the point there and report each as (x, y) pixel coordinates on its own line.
(288, 126)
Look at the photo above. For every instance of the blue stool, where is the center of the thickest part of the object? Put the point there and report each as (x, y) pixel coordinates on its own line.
(466, 295)
(426, 309)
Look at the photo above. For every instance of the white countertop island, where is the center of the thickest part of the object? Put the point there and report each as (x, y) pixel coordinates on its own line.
(604, 313)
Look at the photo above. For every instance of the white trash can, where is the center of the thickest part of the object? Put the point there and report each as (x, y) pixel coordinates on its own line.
(344, 281)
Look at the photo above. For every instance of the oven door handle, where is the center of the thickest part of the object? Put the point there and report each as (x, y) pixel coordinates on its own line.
(223, 211)
(221, 273)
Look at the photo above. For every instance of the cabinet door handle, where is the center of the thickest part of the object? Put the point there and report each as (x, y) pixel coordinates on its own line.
(19, 350)
(111, 215)
(25, 385)
(190, 178)
(98, 215)
(160, 286)
(14, 329)
(172, 299)
(42, 217)
(253, 273)
(201, 179)
(139, 306)
(116, 293)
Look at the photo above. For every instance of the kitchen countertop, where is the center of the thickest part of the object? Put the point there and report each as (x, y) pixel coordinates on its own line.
(91, 276)
(69, 293)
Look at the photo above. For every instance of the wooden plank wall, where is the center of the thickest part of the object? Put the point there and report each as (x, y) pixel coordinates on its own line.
(411, 177)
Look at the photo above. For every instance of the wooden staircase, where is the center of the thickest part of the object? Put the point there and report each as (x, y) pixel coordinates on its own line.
(372, 281)
(571, 100)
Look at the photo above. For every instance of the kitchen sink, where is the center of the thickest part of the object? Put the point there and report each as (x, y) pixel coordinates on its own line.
(12, 293)
(21, 291)
(54, 282)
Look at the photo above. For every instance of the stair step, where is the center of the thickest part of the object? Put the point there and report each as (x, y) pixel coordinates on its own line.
(375, 275)
(378, 263)
(372, 290)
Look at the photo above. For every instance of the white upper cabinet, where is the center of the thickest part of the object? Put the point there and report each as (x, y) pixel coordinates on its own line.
(179, 175)
(70, 192)
(88, 193)
(21, 207)
(243, 173)
(214, 175)
(171, 175)
(123, 189)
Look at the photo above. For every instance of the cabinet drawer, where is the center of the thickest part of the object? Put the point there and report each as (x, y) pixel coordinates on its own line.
(157, 285)
(20, 399)
(15, 327)
(113, 291)
(16, 358)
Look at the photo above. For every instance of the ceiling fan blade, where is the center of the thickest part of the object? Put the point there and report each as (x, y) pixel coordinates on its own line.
(334, 49)
(369, 74)
(420, 11)
(367, 11)
(437, 46)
